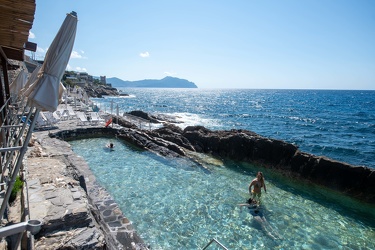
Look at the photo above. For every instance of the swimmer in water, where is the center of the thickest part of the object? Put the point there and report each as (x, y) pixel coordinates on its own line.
(258, 183)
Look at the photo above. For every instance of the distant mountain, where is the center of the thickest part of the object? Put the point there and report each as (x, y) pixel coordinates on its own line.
(166, 82)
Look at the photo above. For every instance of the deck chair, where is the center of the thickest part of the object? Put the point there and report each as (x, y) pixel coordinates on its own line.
(64, 114)
(82, 119)
(72, 114)
(95, 118)
(51, 119)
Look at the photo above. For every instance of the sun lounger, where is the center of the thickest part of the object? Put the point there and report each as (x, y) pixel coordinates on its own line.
(95, 118)
(72, 114)
(51, 118)
(82, 119)
(64, 114)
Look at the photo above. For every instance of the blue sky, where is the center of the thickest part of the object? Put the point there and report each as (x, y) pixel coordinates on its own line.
(271, 44)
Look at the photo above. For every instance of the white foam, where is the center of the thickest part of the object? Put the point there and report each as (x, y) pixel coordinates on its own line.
(189, 119)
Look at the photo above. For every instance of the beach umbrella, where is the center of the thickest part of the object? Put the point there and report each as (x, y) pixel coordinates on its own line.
(85, 98)
(44, 92)
(62, 90)
(66, 101)
(32, 78)
(18, 83)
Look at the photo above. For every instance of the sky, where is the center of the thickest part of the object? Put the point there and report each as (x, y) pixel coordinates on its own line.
(268, 44)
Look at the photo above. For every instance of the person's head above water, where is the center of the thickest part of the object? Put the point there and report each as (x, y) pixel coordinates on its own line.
(260, 176)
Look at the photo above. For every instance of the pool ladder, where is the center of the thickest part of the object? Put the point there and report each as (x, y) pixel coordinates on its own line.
(217, 242)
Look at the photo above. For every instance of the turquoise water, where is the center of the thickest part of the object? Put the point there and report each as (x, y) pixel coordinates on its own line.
(174, 204)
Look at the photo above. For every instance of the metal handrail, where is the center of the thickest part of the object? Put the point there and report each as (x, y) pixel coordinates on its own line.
(217, 242)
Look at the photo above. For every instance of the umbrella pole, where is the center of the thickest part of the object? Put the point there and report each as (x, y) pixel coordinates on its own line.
(117, 113)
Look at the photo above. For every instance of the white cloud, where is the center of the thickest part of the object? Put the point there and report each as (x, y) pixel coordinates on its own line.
(75, 54)
(79, 69)
(144, 54)
(41, 50)
(170, 73)
(31, 35)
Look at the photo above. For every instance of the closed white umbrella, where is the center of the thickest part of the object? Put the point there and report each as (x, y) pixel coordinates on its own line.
(31, 79)
(85, 98)
(62, 90)
(66, 101)
(18, 83)
(44, 92)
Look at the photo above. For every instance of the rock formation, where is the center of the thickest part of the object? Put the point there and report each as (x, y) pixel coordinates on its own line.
(247, 146)
(100, 91)
(241, 145)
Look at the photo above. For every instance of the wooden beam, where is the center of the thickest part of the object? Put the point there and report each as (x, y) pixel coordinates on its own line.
(12, 53)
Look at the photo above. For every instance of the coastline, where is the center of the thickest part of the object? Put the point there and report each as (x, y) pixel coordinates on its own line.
(52, 167)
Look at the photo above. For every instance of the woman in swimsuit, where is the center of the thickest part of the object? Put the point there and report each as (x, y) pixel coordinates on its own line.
(258, 183)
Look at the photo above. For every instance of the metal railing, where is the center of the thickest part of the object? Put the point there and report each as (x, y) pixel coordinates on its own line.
(217, 242)
(17, 121)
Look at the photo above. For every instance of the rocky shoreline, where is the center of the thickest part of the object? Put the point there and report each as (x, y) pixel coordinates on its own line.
(75, 210)
(241, 145)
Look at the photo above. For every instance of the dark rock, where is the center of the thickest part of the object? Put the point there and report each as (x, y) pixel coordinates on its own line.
(100, 90)
(157, 145)
(173, 134)
(243, 145)
(143, 115)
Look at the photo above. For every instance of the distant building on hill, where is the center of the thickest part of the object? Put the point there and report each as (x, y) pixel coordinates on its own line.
(83, 76)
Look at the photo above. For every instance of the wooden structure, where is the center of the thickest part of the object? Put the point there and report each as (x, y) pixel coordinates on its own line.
(16, 20)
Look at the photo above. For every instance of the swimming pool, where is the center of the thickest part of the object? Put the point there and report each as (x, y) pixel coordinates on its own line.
(175, 204)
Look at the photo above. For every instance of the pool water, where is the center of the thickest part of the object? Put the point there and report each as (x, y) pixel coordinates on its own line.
(175, 204)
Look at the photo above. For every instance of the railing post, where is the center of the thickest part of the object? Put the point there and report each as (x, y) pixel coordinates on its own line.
(217, 242)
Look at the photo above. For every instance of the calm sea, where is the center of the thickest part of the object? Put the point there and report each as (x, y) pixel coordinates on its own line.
(336, 124)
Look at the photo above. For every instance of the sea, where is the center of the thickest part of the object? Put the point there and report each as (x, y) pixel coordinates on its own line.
(177, 204)
(339, 124)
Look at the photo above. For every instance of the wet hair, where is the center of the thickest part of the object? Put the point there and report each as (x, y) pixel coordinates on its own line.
(250, 200)
(261, 175)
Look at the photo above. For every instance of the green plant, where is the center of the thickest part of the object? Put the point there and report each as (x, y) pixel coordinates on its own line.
(16, 188)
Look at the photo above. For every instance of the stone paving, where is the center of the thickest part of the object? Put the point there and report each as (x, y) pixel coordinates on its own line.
(63, 193)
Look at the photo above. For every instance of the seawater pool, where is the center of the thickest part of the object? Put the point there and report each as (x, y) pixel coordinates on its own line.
(175, 204)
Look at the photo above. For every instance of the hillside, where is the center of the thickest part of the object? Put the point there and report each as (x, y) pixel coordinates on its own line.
(167, 82)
